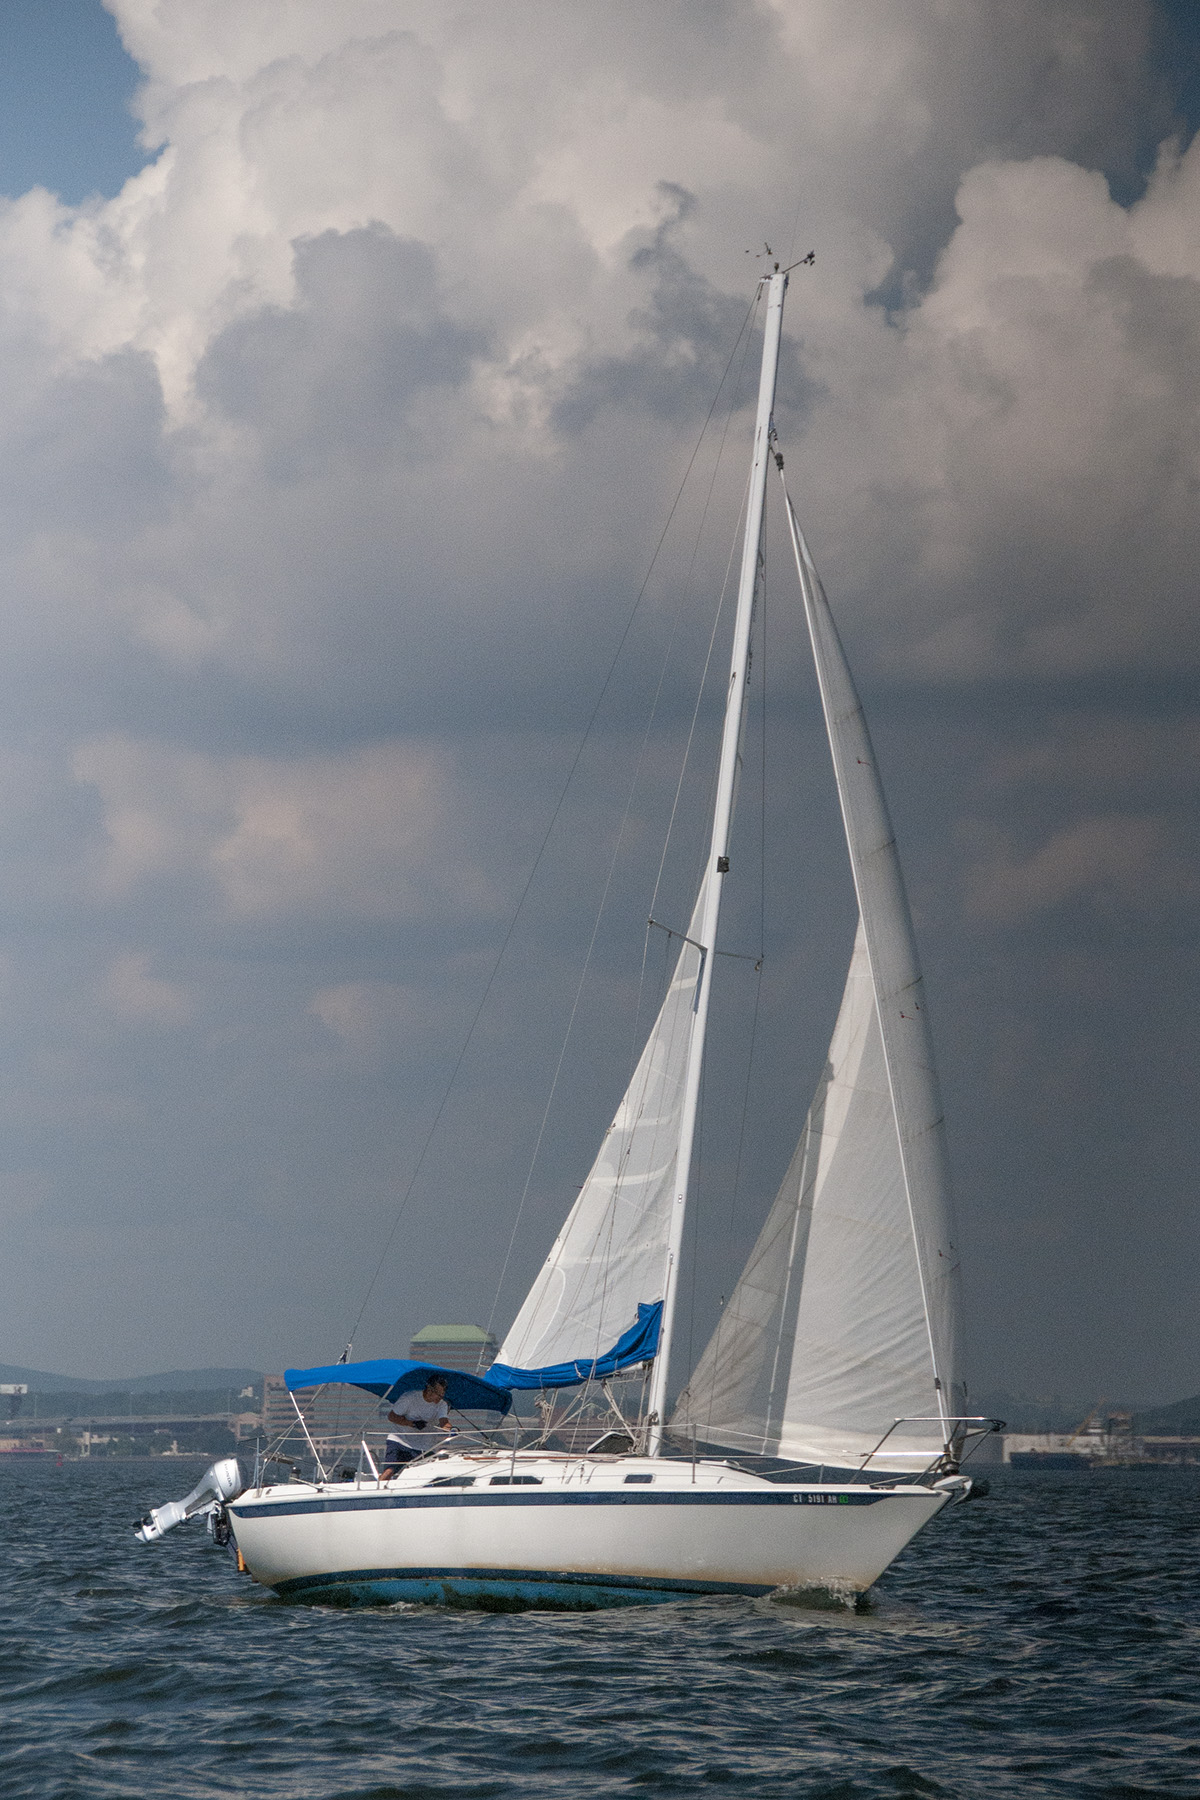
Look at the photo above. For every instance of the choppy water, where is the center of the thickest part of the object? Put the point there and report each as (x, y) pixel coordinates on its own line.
(1043, 1642)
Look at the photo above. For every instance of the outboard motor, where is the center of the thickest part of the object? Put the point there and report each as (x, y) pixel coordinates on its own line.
(223, 1481)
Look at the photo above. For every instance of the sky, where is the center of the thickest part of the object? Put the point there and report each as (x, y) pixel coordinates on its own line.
(351, 361)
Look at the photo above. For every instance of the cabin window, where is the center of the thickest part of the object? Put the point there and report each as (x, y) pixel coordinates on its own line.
(515, 1481)
(643, 1480)
(452, 1481)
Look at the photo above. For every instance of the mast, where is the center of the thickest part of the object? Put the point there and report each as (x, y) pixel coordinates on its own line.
(718, 860)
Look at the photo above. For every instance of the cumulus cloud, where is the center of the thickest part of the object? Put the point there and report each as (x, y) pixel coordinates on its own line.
(347, 330)
(1020, 478)
(1091, 817)
(337, 373)
(360, 835)
(365, 1015)
(1104, 752)
(1111, 861)
(342, 332)
(133, 992)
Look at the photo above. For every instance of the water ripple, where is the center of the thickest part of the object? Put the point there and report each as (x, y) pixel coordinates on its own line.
(1040, 1644)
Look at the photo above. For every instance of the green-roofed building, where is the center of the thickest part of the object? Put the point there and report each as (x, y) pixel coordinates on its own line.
(455, 1347)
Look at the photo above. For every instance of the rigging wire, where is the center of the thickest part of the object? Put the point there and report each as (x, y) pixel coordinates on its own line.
(735, 390)
(603, 1262)
(512, 1236)
(708, 657)
(762, 907)
(762, 941)
(743, 338)
(697, 1210)
(583, 742)
(762, 932)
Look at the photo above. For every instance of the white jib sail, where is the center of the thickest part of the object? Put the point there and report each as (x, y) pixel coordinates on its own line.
(847, 1315)
(612, 1251)
(823, 1341)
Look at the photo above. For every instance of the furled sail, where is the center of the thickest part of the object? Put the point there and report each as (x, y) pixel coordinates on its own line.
(611, 1254)
(637, 1345)
(846, 1317)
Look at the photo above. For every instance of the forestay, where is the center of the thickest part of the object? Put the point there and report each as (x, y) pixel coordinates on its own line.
(846, 1317)
(611, 1253)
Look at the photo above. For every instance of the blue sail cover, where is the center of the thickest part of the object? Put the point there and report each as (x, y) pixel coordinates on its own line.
(637, 1345)
(389, 1376)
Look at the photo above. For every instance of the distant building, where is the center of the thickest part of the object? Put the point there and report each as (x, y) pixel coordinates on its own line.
(455, 1347)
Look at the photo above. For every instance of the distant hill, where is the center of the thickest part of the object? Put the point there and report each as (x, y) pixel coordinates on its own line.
(1027, 1412)
(1031, 1412)
(1180, 1419)
(175, 1381)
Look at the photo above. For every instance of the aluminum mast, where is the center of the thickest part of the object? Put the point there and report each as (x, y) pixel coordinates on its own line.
(718, 861)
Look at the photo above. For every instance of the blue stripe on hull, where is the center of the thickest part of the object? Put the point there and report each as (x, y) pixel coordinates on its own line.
(500, 1590)
(377, 1502)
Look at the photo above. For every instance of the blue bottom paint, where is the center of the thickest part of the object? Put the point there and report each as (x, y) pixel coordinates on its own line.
(500, 1590)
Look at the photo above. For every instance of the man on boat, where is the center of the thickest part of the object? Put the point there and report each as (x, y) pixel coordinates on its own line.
(415, 1414)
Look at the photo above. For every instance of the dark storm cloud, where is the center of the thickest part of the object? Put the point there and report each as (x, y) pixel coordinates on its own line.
(91, 437)
(682, 341)
(337, 373)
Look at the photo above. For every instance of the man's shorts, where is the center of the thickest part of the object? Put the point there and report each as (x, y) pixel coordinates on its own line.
(395, 1454)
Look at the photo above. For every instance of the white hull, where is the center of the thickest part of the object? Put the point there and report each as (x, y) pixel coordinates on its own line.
(570, 1531)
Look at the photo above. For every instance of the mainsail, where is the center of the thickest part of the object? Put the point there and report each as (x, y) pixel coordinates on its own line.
(622, 1243)
(846, 1317)
(612, 1252)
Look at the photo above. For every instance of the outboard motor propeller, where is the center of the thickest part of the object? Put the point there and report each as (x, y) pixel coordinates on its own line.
(223, 1481)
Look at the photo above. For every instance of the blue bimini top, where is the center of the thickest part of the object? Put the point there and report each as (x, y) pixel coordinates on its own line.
(390, 1376)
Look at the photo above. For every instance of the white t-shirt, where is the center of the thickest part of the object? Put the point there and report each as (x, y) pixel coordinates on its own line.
(415, 1406)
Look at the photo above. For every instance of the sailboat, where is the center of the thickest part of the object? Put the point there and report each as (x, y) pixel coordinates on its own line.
(825, 1422)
